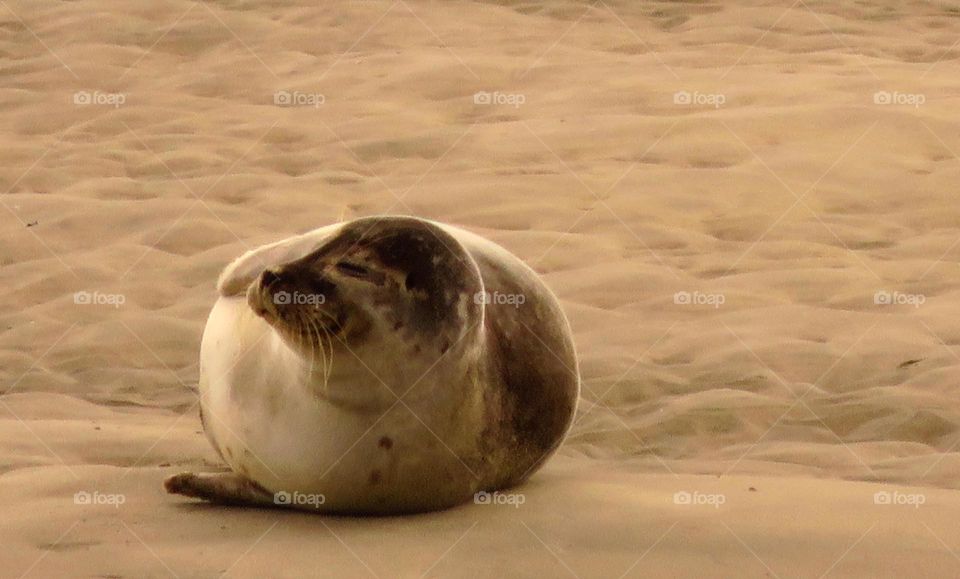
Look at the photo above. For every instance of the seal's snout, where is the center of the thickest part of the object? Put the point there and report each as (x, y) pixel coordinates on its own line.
(260, 294)
(281, 292)
(268, 278)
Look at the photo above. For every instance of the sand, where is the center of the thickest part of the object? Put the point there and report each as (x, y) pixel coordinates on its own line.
(747, 209)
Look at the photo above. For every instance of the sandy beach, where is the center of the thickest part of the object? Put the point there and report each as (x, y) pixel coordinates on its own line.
(748, 211)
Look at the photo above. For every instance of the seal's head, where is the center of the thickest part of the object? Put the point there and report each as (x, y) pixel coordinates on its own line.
(387, 296)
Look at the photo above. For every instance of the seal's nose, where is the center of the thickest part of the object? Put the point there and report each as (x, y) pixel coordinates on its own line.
(269, 278)
(262, 296)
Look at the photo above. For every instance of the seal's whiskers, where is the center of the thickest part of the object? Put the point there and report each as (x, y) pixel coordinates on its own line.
(315, 328)
(329, 338)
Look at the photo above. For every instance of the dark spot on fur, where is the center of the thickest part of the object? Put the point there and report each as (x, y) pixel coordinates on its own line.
(386, 442)
(444, 347)
(413, 281)
(375, 477)
(398, 325)
(416, 348)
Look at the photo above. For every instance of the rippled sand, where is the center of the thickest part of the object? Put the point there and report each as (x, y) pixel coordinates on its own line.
(749, 211)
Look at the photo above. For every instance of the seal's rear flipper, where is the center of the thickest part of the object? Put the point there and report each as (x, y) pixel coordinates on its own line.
(226, 488)
(237, 276)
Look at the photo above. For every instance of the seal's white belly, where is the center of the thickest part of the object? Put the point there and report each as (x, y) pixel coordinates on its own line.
(260, 413)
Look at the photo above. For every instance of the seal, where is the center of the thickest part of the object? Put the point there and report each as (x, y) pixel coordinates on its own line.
(385, 365)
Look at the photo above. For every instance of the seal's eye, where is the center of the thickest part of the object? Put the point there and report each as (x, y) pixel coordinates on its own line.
(352, 269)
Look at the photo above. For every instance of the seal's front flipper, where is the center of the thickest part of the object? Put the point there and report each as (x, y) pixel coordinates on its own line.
(225, 488)
(237, 276)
